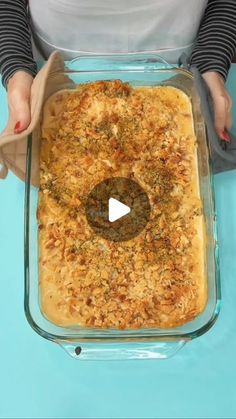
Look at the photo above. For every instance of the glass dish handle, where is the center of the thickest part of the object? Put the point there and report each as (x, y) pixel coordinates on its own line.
(126, 62)
(122, 351)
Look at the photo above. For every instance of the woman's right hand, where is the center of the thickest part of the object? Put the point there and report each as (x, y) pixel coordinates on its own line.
(18, 93)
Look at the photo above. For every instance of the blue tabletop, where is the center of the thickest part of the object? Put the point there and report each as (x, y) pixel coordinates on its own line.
(39, 380)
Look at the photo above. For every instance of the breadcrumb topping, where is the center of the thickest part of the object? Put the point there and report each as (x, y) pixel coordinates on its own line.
(105, 129)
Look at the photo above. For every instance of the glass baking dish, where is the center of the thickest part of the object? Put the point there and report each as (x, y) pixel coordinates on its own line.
(87, 343)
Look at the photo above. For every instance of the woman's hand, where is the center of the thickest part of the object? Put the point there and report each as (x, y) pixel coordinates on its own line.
(222, 103)
(18, 92)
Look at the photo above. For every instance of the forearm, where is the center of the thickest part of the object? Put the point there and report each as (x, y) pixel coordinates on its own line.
(15, 39)
(216, 43)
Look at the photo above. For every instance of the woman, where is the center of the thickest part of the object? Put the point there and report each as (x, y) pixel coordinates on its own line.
(206, 30)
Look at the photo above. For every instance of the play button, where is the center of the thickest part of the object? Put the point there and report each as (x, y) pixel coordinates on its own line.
(118, 209)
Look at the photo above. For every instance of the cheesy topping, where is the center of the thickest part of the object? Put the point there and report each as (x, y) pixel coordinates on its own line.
(101, 130)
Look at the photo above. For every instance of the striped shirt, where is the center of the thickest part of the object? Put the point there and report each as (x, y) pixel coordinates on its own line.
(214, 49)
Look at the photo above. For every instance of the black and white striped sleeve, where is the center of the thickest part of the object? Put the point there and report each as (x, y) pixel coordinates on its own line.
(15, 39)
(216, 42)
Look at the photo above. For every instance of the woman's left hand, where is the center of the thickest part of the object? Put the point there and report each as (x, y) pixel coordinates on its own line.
(222, 103)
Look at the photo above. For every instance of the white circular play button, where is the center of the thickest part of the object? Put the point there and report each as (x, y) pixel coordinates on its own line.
(117, 210)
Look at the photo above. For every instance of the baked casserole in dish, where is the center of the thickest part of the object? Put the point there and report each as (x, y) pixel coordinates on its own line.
(121, 117)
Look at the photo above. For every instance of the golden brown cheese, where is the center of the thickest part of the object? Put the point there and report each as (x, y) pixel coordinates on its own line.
(97, 131)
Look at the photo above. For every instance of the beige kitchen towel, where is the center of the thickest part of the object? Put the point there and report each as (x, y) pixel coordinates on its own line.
(13, 147)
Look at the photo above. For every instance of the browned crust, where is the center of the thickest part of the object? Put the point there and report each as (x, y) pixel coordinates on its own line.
(105, 129)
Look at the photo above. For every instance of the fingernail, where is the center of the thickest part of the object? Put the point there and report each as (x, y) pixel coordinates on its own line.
(17, 128)
(225, 136)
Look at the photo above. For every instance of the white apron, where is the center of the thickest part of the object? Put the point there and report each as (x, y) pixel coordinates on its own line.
(168, 27)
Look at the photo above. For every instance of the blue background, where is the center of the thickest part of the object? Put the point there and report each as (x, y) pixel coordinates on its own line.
(39, 380)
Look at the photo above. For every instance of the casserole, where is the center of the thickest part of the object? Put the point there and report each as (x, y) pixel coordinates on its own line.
(146, 342)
